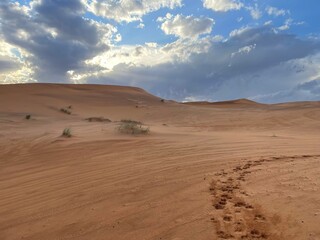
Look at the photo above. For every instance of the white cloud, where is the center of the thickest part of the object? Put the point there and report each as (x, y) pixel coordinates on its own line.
(141, 25)
(187, 26)
(118, 37)
(267, 23)
(276, 12)
(13, 65)
(287, 24)
(239, 31)
(222, 5)
(128, 10)
(144, 55)
(244, 50)
(255, 11)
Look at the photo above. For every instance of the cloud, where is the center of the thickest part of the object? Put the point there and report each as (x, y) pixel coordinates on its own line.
(276, 12)
(10, 58)
(136, 56)
(8, 65)
(254, 11)
(228, 5)
(186, 26)
(141, 25)
(263, 62)
(54, 36)
(267, 23)
(239, 31)
(306, 91)
(244, 50)
(222, 5)
(128, 10)
(286, 25)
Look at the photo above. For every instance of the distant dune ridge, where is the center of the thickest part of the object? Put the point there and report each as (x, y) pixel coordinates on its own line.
(223, 170)
(238, 103)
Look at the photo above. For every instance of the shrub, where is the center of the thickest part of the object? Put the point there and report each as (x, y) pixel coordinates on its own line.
(98, 119)
(132, 127)
(28, 116)
(162, 100)
(64, 110)
(66, 132)
(131, 121)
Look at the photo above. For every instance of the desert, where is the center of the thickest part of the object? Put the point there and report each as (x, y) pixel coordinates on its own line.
(227, 170)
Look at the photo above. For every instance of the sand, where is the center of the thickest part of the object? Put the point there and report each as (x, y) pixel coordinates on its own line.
(230, 170)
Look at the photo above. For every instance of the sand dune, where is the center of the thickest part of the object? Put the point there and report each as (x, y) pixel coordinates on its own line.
(231, 170)
(231, 103)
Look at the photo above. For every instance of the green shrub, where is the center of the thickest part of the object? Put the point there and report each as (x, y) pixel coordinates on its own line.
(66, 132)
(28, 116)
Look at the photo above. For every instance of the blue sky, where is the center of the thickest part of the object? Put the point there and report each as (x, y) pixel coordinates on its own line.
(266, 50)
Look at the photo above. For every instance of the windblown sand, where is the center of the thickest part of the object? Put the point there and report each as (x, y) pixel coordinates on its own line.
(231, 170)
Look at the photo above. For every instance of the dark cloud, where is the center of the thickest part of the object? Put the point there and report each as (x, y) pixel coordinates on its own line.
(307, 91)
(66, 16)
(54, 33)
(271, 49)
(312, 86)
(8, 65)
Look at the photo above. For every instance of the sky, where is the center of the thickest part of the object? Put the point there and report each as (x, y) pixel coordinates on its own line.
(187, 50)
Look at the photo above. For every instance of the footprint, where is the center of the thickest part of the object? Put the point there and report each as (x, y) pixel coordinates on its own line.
(224, 235)
(227, 218)
(237, 169)
(239, 227)
(256, 234)
(218, 206)
(240, 204)
(248, 206)
(234, 221)
(226, 196)
(259, 217)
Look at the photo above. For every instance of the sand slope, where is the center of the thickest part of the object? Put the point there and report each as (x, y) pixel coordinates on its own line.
(237, 170)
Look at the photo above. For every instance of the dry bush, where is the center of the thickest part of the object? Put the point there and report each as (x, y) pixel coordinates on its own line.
(132, 127)
(98, 119)
(64, 110)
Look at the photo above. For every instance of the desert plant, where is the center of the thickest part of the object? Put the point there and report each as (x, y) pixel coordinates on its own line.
(132, 127)
(64, 110)
(98, 119)
(66, 132)
(131, 121)
(162, 100)
(28, 116)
